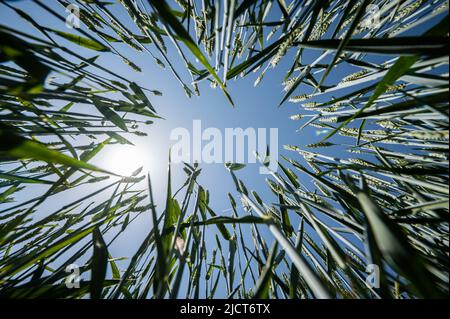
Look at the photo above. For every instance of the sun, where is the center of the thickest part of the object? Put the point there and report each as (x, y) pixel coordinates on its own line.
(125, 159)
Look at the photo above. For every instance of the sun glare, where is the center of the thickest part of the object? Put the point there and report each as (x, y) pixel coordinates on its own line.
(124, 159)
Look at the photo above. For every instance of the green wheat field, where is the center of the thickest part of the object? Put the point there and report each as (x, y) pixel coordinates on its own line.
(371, 72)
